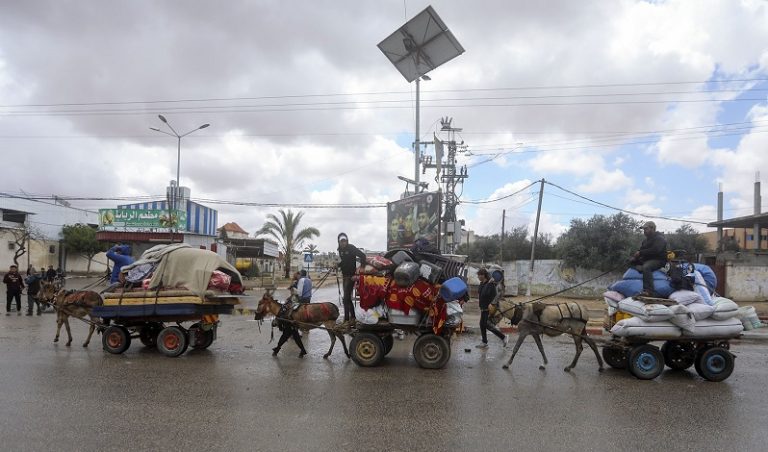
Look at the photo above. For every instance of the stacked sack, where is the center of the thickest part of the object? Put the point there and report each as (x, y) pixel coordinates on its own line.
(702, 276)
(690, 317)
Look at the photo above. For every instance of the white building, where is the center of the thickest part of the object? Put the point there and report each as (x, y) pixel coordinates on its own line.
(44, 220)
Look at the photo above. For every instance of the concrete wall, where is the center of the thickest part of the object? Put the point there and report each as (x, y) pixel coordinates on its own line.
(746, 276)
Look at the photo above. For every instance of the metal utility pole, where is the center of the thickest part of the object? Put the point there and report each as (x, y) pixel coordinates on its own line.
(533, 242)
(451, 177)
(416, 143)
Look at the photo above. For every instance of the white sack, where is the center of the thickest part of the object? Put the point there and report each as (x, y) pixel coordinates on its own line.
(716, 329)
(636, 327)
(647, 312)
(724, 309)
(682, 317)
(701, 311)
(685, 297)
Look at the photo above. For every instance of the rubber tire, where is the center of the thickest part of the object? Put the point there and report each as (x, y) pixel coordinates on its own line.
(674, 358)
(201, 339)
(431, 351)
(148, 334)
(646, 362)
(715, 364)
(172, 341)
(615, 357)
(389, 342)
(116, 339)
(366, 349)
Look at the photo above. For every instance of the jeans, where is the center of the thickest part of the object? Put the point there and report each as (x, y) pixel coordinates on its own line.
(349, 308)
(9, 297)
(31, 301)
(647, 268)
(484, 325)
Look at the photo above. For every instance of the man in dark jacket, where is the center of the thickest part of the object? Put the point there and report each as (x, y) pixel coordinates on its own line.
(349, 254)
(486, 294)
(33, 286)
(14, 284)
(651, 256)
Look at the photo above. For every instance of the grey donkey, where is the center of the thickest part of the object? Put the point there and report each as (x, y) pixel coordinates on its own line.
(536, 319)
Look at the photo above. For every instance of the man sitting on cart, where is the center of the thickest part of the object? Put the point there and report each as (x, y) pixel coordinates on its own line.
(651, 256)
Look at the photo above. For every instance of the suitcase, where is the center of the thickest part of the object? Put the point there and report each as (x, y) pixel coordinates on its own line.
(400, 256)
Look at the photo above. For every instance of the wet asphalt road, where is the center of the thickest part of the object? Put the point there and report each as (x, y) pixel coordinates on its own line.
(236, 396)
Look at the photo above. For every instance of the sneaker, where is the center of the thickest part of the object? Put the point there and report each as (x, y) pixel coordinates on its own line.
(7, 313)
(29, 313)
(506, 340)
(481, 345)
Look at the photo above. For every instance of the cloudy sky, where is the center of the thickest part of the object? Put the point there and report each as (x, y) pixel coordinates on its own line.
(641, 105)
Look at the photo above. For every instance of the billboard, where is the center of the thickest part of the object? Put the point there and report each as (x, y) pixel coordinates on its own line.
(139, 220)
(414, 217)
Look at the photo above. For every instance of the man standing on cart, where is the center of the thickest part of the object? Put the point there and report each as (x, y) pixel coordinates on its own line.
(349, 254)
(651, 256)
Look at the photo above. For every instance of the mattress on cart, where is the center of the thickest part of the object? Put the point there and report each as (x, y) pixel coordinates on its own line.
(170, 309)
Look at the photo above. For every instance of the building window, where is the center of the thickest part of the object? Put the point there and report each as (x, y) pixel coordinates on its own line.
(14, 217)
(52, 249)
(11, 246)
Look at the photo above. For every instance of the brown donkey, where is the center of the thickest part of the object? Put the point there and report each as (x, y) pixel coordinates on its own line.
(315, 314)
(76, 304)
(536, 319)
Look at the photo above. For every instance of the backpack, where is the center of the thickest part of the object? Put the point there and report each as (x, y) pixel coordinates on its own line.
(681, 276)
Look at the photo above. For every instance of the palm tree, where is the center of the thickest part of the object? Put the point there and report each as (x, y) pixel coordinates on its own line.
(311, 249)
(285, 229)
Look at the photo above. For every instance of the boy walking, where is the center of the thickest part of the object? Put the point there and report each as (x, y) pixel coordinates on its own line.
(14, 284)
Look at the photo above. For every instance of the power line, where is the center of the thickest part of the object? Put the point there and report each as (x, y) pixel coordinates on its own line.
(486, 201)
(624, 210)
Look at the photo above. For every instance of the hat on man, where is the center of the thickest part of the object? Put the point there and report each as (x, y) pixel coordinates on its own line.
(649, 225)
(341, 237)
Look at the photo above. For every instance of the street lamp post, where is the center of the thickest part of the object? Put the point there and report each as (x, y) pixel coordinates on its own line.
(178, 154)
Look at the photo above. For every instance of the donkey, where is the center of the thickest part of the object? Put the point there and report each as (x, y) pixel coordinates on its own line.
(553, 320)
(73, 303)
(316, 314)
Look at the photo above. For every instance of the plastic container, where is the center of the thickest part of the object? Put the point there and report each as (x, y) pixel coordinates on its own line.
(749, 318)
(401, 318)
(430, 271)
(407, 273)
(453, 289)
(401, 256)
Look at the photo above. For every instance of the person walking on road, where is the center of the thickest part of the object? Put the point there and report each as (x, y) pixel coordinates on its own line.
(304, 287)
(14, 284)
(50, 274)
(349, 254)
(33, 286)
(651, 256)
(486, 294)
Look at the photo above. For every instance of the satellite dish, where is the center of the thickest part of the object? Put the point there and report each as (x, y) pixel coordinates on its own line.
(422, 44)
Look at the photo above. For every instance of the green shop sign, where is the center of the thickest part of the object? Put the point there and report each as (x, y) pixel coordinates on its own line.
(111, 219)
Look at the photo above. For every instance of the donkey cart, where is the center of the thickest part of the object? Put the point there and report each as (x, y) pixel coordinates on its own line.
(150, 324)
(711, 357)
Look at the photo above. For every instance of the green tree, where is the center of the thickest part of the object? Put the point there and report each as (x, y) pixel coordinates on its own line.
(602, 243)
(686, 238)
(517, 245)
(285, 230)
(81, 239)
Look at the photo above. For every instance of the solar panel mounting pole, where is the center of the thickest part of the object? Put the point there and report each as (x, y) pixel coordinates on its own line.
(416, 144)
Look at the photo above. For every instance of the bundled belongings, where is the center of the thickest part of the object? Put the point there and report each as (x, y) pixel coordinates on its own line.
(407, 273)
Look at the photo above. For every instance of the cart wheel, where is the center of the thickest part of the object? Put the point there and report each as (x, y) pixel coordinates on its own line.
(646, 362)
(172, 341)
(715, 364)
(148, 334)
(616, 357)
(367, 350)
(389, 342)
(678, 355)
(431, 351)
(201, 339)
(116, 339)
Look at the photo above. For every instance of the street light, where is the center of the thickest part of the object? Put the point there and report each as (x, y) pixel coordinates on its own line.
(178, 152)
